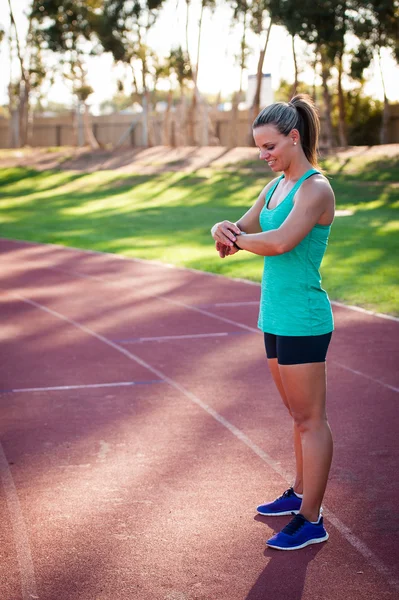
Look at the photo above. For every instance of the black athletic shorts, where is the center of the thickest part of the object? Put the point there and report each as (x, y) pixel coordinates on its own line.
(297, 349)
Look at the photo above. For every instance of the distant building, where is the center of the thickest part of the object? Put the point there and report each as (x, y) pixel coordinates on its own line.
(266, 92)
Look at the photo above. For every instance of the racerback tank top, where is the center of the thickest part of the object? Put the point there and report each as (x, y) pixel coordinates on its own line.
(292, 300)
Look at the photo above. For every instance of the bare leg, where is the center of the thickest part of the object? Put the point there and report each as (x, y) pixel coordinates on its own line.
(305, 389)
(275, 371)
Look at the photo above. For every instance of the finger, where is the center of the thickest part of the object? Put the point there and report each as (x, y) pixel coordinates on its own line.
(226, 237)
(233, 227)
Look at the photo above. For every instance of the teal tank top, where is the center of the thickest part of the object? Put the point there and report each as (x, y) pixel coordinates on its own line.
(292, 299)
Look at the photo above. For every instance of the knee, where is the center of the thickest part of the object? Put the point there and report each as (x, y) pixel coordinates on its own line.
(305, 422)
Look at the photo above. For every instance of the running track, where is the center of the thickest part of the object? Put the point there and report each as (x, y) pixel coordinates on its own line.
(139, 428)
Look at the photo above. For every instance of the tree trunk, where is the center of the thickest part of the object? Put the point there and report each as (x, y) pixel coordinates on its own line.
(325, 74)
(341, 107)
(89, 135)
(204, 122)
(195, 133)
(316, 60)
(199, 43)
(243, 48)
(187, 21)
(144, 130)
(256, 100)
(166, 129)
(191, 134)
(24, 90)
(255, 108)
(234, 122)
(295, 84)
(181, 121)
(385, 113)
(24, 110)
(14, 129)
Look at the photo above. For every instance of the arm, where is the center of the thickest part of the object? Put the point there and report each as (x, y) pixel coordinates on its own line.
(225, 232)
(312, 201)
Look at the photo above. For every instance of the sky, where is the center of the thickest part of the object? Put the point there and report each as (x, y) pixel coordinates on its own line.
(217, 68)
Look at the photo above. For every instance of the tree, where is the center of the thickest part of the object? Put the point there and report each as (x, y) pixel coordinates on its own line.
(376, 24)
(67, 26)
(197, 98)
(259, 12)
(240, 16)
(123, 30)
(255, 13)
(322, 24)
(31, 76)
(180, 65)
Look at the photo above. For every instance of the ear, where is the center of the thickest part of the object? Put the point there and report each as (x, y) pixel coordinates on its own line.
(295, 137)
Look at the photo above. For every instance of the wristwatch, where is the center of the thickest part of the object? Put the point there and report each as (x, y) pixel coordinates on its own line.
(234, 244)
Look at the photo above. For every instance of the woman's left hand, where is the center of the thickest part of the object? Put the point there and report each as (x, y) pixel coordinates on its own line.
(225, 250)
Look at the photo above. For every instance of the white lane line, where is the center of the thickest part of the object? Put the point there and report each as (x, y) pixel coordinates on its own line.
(61, 388)
(191, 336)
(20, 534)
(236, 323)
(363, 549)
(364, 311)
(391, 387)
(350, 537)
(228, 304)
(229, 321)
(157, 263)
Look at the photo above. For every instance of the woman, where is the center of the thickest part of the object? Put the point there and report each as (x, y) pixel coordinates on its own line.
(289, 225)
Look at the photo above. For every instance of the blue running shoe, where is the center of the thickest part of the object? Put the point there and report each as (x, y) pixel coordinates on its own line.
(287, 504)
(299, 533)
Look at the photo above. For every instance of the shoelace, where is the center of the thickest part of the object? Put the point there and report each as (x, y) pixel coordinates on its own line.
(287, 493)
(293, 526)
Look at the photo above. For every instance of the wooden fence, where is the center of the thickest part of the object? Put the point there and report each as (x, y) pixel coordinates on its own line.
(225, 129)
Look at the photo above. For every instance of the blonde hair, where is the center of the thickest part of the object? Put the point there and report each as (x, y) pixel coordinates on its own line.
(301, 114)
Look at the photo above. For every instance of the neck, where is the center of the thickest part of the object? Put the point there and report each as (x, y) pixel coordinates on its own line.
(296, 169)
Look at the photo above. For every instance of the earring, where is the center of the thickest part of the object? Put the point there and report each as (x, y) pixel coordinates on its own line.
(294, 143)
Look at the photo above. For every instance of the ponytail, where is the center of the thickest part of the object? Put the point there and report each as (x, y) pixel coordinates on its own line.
(301, 114)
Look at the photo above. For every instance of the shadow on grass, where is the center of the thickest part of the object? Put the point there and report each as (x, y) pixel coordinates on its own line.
(20, 182)
(385, 169)
(168, 217)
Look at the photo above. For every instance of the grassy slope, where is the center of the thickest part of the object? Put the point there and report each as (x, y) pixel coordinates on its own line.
(168, 216)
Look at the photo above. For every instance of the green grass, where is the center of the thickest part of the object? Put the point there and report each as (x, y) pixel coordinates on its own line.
(167, 217)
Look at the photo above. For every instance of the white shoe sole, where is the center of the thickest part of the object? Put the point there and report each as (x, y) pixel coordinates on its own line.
(308, 543)
(283, 514)
(280, 514)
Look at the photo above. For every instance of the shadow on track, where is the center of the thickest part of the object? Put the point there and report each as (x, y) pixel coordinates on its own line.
(285, 573)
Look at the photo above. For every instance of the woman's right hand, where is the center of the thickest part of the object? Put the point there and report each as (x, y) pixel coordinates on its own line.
(224, 232)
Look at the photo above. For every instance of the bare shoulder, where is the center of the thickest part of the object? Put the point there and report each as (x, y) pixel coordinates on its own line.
(317, 189)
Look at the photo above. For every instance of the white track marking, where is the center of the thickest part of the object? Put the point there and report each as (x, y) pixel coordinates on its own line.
(21, 538)
(228, 304)
(366, 312)
(225, 320)
(191, 336)
(230, 321)
(391, 387)
(363, 549)
(350, 537)
(156, 263)
(61, 388)
(253, 330)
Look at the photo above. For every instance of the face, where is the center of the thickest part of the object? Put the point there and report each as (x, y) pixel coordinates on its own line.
(275, 148)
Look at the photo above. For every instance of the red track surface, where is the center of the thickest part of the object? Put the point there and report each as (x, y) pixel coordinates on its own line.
(147, 491)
